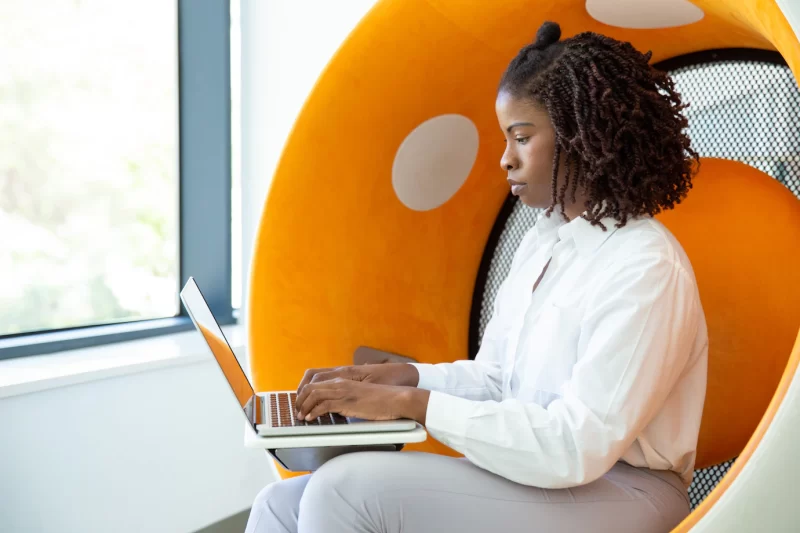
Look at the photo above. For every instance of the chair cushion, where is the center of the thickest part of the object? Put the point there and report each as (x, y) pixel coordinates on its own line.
(741, 230)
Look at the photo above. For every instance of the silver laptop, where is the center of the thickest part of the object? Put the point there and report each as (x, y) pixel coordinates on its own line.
(270, 413)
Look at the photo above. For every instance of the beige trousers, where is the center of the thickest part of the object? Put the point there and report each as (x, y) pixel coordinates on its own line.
(387, 492)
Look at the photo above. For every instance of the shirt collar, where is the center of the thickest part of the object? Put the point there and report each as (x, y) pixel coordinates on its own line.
(546, 225)
(588, 238)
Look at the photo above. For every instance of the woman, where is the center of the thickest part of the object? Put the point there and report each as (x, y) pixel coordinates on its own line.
(582, 409)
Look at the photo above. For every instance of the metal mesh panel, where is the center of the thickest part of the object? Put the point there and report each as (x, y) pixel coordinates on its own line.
(521, 219)
(748, 111)
(705, 480)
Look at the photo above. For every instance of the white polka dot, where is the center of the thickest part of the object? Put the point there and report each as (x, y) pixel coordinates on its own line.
(433, 162)
(644, 14)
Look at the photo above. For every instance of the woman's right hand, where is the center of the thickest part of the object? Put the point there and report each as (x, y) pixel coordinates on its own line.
(402, 374)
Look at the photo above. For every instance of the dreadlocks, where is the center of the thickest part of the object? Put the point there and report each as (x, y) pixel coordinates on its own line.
(617, 120)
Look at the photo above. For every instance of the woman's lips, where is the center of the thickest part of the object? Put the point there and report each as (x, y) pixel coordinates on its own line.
(516, 187)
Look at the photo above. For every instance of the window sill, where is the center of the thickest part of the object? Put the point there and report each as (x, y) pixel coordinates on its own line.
(35, 373)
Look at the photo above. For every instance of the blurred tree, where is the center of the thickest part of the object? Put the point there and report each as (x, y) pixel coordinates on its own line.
(88, 163)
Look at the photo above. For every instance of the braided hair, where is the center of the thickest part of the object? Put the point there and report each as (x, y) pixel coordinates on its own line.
(617, 120)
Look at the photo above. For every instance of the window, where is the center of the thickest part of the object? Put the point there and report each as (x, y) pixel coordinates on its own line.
(115, 162)
(89, 165)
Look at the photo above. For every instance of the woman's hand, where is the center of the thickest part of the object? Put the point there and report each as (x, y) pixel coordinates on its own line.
(361, 399)
(384, 374)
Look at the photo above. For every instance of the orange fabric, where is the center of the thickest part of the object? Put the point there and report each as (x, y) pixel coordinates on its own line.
(229, 365)
(791, 373)
(764, 18)
(740, 228)
(350, 265)
(756, 17)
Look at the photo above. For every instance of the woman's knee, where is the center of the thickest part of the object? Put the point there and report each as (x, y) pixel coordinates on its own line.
(282, 493)
(356, 475)
(336, 495)
(335, 475)
(266, 494)
(278, 502)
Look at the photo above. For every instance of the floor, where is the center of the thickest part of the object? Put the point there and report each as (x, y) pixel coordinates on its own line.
(232, 524)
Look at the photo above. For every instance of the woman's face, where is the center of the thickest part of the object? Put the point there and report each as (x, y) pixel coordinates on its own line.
(530, 147)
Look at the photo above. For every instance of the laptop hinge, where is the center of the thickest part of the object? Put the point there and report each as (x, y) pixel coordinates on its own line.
(252, 409)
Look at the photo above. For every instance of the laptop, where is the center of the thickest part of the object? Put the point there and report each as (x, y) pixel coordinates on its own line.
(270, 413)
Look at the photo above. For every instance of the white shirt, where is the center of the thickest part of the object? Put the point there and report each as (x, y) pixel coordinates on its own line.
(605, 361)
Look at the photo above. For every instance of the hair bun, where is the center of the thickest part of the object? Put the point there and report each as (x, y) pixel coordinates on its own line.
(549, 33)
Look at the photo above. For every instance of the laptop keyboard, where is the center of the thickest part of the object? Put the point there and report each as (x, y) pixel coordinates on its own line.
(281, 409)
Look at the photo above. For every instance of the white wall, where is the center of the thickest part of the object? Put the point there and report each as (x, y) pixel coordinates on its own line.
(285, 46)
(158, 451)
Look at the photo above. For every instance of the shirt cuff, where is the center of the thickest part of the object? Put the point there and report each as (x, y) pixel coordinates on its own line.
(446, 419)
(430, 377)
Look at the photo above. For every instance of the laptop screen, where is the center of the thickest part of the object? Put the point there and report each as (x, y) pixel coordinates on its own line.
(207, 325)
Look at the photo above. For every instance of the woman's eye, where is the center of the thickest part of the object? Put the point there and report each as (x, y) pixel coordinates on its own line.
(522, 140)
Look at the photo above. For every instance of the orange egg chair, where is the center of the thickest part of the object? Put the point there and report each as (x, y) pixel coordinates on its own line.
(410, 224)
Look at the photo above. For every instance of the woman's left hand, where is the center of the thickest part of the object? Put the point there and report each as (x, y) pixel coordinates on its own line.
(358, 399)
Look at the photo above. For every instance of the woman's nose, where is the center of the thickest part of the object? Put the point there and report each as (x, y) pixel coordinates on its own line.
(508, 161)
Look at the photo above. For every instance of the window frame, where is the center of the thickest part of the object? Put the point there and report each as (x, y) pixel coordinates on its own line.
(204, 179)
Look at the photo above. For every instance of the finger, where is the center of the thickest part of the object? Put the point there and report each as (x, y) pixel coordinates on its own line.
(302, 394)
(309, 375)
(313, 398)
(322, 408)
(342, 372)
(306, 391)
(324, 376)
